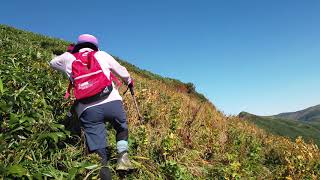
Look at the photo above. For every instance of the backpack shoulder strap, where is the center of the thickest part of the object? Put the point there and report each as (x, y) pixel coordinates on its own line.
(115, 79)
(67, 95)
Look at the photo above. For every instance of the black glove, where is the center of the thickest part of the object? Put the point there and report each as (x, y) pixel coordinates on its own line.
(130, 86)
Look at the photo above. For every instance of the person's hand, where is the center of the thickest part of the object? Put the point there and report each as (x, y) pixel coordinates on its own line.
(130, 83)
(70, 48)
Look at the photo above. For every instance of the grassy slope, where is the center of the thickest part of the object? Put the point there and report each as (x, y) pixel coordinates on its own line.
(308, 115)
(184, 136)
(288, 128)
(316, 124)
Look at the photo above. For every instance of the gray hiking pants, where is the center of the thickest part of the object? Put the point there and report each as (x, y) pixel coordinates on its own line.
(93, 121)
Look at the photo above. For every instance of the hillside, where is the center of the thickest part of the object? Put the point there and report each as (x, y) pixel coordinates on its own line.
(286, 127)
(308, 115)
(183, 137)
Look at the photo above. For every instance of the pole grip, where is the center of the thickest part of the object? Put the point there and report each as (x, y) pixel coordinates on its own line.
(131, 91)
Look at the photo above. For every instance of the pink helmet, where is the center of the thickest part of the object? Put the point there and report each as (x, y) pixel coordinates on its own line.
(87, 38)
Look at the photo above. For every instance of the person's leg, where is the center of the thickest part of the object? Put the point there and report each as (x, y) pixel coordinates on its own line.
(105, 173)
(103, 154)
(92, 121)
(71, 121)
(117, 117)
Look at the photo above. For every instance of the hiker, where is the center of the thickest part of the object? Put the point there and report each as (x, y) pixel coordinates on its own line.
(103, 103)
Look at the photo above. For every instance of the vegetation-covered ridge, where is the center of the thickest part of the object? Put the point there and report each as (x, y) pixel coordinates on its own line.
(183, 136)
(308, 115)
(303, 123)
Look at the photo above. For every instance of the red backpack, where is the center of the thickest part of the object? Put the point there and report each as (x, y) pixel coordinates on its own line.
(88, 79)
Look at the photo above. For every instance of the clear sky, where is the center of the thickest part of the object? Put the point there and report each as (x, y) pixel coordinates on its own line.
(260, 56)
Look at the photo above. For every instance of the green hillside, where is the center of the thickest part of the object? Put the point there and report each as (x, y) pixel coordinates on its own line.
(183, 137)
(308, 115)
(286, 127)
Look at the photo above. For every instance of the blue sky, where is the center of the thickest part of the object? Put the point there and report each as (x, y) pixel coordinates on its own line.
(260, 56)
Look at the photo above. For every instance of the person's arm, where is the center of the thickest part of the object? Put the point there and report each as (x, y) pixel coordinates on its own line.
(59, 62)
(117, 68)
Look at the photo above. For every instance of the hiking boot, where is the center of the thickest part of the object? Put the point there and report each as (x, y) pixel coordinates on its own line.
(123, 162)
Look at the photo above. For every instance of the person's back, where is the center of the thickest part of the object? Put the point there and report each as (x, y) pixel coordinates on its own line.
(93, 111)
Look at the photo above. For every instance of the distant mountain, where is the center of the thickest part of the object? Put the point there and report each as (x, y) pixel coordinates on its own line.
(305, 123)
(309, 114)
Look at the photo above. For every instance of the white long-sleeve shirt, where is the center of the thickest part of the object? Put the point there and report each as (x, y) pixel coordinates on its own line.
(63, 63)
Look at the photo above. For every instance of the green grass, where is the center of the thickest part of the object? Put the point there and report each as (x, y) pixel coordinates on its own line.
(315, 124)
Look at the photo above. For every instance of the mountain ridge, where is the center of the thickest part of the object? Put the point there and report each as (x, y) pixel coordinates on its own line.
(305, 123)
(308, 114)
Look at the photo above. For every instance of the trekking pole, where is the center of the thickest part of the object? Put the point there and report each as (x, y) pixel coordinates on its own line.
(136, 104)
